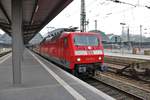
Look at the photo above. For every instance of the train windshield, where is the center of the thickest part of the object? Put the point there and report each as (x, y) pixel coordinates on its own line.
(82, 40)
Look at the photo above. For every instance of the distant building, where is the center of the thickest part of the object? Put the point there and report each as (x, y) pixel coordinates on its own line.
(104, 36)
(147, 39)
(5, 39)
(114, 38)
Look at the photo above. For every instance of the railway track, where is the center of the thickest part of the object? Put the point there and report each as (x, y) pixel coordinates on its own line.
(4, 51)
(135, 68)
(129, 85)
(112, 68)
(110, 90)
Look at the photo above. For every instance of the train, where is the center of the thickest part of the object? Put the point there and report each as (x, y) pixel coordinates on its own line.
(81, 53)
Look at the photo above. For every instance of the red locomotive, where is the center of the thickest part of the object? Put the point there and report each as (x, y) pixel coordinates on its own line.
(80, 52)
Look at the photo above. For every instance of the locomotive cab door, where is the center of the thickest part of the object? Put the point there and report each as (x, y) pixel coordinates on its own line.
(65, 51)
(65, 45)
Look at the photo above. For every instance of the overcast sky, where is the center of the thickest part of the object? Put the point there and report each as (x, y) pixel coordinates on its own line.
(108, 14)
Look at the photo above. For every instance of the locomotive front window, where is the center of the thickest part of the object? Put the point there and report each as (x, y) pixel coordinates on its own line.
(86, 40)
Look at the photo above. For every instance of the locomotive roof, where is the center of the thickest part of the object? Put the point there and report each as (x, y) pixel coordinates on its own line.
(64, 31)
(86, 33)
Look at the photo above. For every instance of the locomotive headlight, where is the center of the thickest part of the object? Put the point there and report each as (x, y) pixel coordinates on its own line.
(100, 58)
(78, 59)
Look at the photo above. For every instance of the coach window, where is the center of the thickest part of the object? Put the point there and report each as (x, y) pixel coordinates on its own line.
(65, 42)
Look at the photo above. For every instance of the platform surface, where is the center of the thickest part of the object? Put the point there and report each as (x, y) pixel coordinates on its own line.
(144, 57)
(42, 80)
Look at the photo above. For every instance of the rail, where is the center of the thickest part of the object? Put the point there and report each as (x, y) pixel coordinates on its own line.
(110, 90)
(133, 87)
(4, 51)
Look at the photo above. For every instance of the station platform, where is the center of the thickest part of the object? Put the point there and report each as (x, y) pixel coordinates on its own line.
(42, 80)
(143, 57)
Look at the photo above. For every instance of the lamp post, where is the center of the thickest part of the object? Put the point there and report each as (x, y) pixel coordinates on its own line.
(122, 40)
(140, 43)
(82, 16)
(140, 37)
(128, 39)
(95, 25)
(122, 24)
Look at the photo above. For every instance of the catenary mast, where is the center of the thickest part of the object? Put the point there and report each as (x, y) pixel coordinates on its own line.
(83, 17)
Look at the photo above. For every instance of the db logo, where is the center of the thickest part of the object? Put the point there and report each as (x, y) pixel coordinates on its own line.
(89, 48)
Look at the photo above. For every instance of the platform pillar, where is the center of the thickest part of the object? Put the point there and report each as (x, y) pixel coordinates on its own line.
(17, 40)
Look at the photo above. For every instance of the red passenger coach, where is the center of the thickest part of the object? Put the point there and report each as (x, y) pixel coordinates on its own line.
(80, 52)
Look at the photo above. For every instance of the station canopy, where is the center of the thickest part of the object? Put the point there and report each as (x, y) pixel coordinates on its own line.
(36, 14)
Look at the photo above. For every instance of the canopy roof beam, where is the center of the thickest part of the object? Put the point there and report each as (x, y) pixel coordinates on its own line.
(5, 13)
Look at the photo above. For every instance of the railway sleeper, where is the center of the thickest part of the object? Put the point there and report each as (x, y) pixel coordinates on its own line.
(126, 70)
(134, 74)
(135, 69)
(134, 66)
